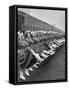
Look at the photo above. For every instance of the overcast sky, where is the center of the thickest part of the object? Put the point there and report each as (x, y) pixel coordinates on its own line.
(53, 17)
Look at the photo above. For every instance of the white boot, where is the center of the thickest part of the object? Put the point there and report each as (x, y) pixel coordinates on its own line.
(37, 55)
(27, 72)
(44, 56)
(31, 69)
(35, 66)
(22, 75)
(53, 52)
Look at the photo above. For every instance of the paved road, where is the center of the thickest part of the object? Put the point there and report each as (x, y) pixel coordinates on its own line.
(52, 69)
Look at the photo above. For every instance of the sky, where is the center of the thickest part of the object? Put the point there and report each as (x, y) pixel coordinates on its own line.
(52, 17)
